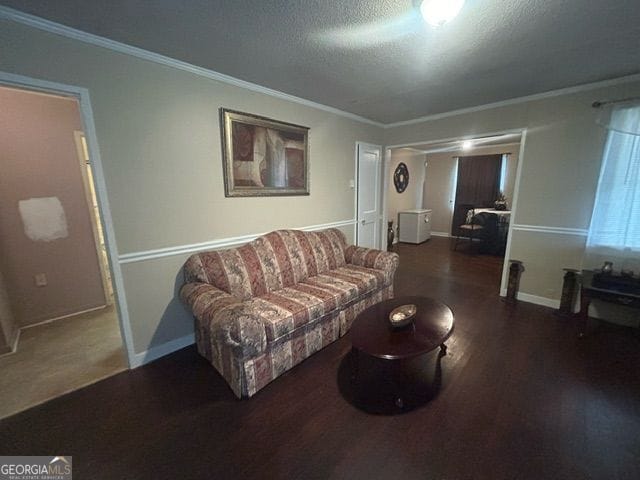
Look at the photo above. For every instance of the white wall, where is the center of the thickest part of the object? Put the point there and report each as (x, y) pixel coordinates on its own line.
(40, 168)
(440, 181)
(411, 198)
(559, 175)
(159, 136)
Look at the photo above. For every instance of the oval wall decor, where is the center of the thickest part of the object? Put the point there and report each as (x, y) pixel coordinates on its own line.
(401, 177)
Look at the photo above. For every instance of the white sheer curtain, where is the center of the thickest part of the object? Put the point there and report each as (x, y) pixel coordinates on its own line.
(614, 233)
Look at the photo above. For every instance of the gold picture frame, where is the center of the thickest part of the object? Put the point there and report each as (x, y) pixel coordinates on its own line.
(263, 157)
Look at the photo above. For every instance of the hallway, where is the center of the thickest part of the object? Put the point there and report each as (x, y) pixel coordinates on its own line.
(58, 357)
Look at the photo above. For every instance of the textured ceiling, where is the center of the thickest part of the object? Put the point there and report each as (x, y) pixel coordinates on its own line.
(376, 58)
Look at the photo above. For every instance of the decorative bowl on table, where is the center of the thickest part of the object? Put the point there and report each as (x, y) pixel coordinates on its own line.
(403, 315)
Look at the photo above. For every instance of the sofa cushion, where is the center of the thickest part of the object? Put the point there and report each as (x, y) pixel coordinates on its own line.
(235, 271)
(274, 261)
(306, 254)
(378, 259)
(288, 309)
(349, 281)
(365, 279)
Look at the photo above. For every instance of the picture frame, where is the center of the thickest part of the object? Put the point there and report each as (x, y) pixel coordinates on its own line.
(262, 156)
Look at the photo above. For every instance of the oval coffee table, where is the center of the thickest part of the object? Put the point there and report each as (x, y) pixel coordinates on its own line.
(373, 336)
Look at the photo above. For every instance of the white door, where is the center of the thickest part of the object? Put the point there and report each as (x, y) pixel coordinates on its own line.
(368, 196)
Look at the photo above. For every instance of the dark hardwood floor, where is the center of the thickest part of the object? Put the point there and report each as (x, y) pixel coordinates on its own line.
(521, 398)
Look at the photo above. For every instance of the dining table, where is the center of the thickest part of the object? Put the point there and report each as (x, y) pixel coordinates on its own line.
(503, 215)
(499, 240)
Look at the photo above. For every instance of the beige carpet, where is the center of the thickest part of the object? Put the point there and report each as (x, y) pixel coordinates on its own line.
(58, 357)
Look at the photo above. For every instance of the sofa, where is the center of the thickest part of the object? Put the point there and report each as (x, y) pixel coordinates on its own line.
(262, 308)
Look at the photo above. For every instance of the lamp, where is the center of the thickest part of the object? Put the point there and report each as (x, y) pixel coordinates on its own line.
(439, 12)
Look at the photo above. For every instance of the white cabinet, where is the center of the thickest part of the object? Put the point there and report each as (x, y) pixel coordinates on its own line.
(414, 226)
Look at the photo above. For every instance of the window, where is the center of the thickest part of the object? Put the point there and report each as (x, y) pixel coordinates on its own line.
(615, 223)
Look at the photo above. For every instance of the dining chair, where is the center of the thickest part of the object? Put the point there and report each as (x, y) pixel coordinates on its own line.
(471, 228)
(489, 236)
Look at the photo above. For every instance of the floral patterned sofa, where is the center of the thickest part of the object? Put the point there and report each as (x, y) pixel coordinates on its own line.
(262, 308)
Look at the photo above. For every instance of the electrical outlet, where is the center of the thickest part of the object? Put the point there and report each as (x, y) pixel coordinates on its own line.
(41, 279)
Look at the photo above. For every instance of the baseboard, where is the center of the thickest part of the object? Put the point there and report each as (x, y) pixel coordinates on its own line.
(161, 350)
(13, 346)
(62, 317)
(440, 234)
(16, 338)
(526, 297)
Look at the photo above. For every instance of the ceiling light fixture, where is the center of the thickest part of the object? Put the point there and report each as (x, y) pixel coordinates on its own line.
(467, 144)
(439, 12)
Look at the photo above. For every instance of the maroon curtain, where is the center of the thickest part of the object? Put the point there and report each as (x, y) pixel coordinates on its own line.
(478, 185)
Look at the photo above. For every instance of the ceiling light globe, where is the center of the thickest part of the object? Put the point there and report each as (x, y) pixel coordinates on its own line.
(439, 12)
(467, 144)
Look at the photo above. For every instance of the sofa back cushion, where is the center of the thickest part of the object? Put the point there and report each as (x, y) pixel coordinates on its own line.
(273, 261)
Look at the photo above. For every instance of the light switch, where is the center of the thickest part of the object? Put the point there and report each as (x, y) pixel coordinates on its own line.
(41, 279)
(352, 184)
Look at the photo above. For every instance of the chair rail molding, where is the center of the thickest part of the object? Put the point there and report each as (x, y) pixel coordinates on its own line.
(215, 244)
(581, 232)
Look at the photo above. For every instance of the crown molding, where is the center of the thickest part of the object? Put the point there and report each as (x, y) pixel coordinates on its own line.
(69, 32)
(514, 101)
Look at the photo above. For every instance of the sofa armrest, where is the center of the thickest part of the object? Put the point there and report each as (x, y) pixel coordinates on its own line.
(371, 258)
(204, 299)
(240, 328)
(230, 320)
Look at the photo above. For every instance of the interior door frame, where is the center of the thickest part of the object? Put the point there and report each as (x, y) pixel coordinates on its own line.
(86, 113)
(386, 175)
(381, 181)
(84, 159)
(516, 188)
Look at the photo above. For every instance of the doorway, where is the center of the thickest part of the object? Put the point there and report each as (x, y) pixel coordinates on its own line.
(440, 174)
(477, 185)
(368, 198)
(59, 323)
(404, 195)
(92, 201)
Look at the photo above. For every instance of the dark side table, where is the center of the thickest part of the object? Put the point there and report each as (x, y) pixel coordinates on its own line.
(591, 289)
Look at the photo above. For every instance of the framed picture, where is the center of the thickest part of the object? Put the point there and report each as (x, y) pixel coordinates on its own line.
(263, 157)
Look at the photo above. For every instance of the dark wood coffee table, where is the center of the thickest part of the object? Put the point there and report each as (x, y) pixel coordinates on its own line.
(372, 334)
